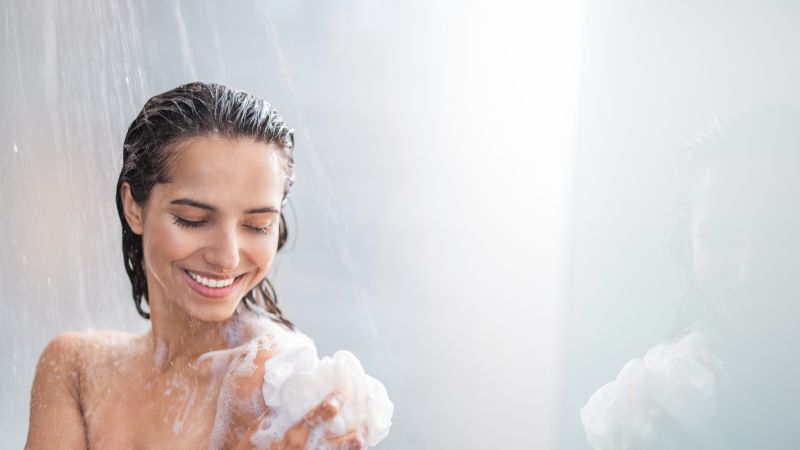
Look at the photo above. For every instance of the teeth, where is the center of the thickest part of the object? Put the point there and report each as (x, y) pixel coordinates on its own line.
(210, 282)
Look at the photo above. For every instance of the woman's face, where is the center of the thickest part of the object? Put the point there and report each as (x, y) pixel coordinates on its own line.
(210, 234)
(745, 235)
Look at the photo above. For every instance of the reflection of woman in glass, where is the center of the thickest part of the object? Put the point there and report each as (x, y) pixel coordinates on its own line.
(729, 377)
(205, 176)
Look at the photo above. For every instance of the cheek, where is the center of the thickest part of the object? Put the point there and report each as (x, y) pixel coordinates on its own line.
(165, 243)
(260, 251)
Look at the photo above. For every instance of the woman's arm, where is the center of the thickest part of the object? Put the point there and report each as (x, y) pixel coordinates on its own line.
(56, 420)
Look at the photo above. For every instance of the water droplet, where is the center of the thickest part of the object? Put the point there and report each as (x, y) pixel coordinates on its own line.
(49, 281)
(16, 149)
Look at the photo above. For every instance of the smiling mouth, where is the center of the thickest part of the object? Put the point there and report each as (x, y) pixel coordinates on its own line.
(212, 287)
(211, 282)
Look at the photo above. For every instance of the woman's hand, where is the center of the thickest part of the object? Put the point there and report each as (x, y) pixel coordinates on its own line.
(297, 436)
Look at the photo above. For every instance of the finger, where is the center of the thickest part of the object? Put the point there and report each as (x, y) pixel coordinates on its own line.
(296, 437)
(350, 441)
(261, 421)
(324, 411)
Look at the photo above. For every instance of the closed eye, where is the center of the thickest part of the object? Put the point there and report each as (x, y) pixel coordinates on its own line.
(183, 223)
(262, 230)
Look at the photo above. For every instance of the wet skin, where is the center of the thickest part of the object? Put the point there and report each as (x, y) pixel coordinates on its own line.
(218, 217)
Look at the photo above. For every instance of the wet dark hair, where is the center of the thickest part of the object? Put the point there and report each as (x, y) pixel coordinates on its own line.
(189, 111)
(763, 131)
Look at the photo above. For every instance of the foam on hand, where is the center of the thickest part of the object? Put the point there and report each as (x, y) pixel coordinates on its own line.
(663, 400)
(296, 380)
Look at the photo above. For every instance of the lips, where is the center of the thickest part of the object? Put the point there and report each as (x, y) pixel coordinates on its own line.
(211, 287)
(211, 281)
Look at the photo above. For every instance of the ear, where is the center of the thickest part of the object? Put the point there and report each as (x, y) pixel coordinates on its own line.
(133, 212)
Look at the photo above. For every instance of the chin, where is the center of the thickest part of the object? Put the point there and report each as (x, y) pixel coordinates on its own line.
(213, 313)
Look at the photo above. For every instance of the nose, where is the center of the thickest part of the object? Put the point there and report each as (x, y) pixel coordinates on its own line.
(222, 253)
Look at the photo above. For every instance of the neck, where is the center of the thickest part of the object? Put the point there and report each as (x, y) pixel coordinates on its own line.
(178, 339)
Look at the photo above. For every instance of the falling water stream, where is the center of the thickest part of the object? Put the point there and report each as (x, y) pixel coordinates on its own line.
(487, 210)
(378, 260)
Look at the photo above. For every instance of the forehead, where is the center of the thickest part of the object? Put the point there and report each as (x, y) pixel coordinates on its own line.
(220, 166)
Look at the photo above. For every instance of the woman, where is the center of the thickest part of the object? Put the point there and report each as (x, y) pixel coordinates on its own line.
(205, 176)
(729, 377)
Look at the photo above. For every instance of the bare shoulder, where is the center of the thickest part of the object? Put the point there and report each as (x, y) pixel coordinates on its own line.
(61, 347)
(254, 338)
(249, 363)
(55, 417)
(56, 410)
(243, 363)
(256, 333)
(89, 341)
(89, 349)
(108, 344)
(62, 358)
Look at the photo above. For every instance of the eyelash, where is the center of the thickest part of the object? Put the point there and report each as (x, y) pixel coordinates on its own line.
(183, 223)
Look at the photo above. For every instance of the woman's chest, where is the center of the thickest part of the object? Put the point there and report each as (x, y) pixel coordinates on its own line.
(122, 411)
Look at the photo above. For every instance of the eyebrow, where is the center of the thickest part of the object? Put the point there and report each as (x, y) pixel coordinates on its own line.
(201, 205)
